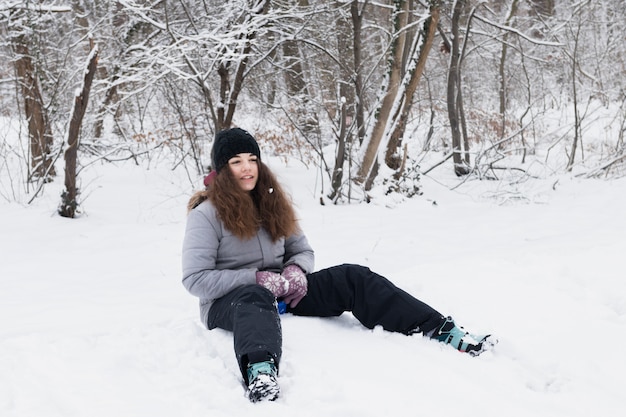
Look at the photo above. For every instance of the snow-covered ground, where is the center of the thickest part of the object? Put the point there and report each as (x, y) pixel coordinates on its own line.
(95, 320)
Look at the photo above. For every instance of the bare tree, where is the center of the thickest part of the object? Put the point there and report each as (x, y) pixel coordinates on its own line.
(22, 20)
(357, 24)
(419, 53)
(373, 139)
(575, 96)
(69, 198)
(347, 93)
(502, 76)
(406, 63)
(460, 144)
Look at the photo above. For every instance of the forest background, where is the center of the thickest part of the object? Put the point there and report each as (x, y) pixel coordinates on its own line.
(367, 93)
(488, 137)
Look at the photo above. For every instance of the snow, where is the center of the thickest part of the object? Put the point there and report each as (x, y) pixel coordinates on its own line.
(96, 322)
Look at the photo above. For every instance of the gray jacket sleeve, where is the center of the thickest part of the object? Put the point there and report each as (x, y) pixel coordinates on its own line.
(299, 252)
(199, 259)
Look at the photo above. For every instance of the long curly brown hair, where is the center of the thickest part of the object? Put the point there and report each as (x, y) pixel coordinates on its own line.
(243, 212)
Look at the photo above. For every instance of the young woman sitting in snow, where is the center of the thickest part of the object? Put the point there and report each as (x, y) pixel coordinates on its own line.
(243, 250)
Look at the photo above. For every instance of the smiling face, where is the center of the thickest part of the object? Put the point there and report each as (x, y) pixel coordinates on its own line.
(245, 170)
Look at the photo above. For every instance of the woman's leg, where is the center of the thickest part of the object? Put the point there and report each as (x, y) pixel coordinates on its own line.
(250, 313)
(372, 298)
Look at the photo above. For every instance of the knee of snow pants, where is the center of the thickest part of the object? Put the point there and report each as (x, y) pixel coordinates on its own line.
(372, 298)
(250, 313)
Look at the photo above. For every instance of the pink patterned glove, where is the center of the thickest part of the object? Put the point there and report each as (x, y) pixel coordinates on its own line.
(297, 284)
(274, 282)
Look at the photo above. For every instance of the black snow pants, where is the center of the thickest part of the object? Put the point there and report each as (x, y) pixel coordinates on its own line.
(250, 311)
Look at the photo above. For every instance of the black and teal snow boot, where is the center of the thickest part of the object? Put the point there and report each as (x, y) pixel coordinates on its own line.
(461, 340)
(262, 384)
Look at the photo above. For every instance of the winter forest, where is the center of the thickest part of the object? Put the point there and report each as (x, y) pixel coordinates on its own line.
(471, 151)
(366, 93)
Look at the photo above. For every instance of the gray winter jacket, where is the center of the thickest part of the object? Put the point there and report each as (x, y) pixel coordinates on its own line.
(215, 261)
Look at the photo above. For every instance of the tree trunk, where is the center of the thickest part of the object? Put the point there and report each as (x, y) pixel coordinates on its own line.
(69, 202)
(577, 121)
(348, 94)
(392, 159)
(502, 69)
(393, 84)
(454, 111)
(39, 131)
(337, 176)
(357, 23)
(305, 117)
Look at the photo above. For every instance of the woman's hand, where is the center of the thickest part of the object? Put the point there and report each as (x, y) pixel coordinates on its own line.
(297, 284)
(276, 283)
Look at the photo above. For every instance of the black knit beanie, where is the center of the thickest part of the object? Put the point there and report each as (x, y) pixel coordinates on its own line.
(231, 142)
